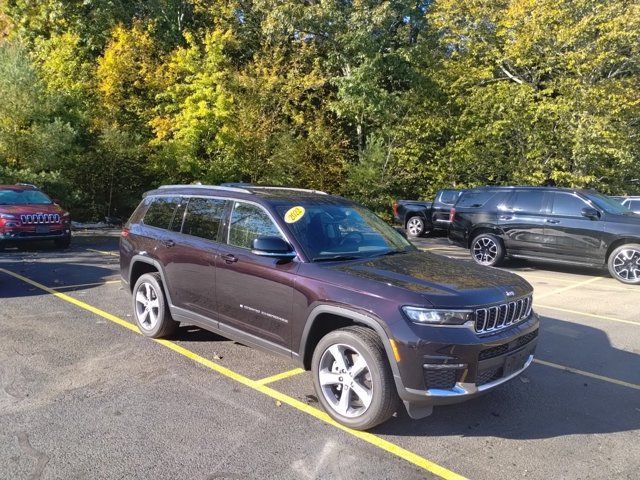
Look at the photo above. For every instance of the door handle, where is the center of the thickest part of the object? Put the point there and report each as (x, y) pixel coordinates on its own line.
(168, 243)
(505, 217)
(229, 258)
(550, 220)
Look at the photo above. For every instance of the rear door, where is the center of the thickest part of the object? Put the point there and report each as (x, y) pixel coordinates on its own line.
(523, 219)
(572, 234)
(192, 270)
(254, 293)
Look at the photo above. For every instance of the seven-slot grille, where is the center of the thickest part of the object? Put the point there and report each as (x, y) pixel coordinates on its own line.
(40, 218)
(497, 317)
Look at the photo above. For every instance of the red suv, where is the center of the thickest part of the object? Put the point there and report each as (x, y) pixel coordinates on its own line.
(28, 214)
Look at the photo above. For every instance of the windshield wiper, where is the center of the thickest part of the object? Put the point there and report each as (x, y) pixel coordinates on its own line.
(335, 258)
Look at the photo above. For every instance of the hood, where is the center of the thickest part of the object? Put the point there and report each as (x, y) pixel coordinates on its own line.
(31, 209)
(442, 281)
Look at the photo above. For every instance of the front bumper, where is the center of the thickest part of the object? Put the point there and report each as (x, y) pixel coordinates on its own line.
(458, 364)
(32, 236)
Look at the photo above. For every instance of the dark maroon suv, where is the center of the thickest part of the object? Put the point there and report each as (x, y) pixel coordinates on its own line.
(324, 281)
(28, 214)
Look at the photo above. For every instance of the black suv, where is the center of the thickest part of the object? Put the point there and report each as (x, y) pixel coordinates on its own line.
(545, 223)
(324, 281)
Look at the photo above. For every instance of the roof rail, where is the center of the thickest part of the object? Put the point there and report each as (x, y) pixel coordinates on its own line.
(26, 185)
(209, 187)
(258, 187)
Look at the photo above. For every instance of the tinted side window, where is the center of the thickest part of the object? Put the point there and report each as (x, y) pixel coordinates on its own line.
(634, 204)
(530, 202)
(203, 218)
(449, 196)
(567, 204)
(249, 222)
(474, 199)
(160, 211)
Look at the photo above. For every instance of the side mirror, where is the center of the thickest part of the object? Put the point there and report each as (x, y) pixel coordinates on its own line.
(591, 213)
(274, 247)
(401, 231)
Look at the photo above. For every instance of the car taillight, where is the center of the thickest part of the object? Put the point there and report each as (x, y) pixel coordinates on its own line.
(395, 208)
(452, 214)
(125, 232)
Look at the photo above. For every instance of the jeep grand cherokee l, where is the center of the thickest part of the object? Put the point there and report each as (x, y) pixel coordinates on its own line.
(547, 223)
(28, 214)
(324, 281)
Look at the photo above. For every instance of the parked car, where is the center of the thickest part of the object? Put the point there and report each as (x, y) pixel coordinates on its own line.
(632, 203)
(554, 224)
(420, 218)
(28, 214)
(324, 281)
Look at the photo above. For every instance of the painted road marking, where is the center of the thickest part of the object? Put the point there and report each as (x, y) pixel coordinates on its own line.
(565, 289)
(104, 252)
(280, 376)
(592, 315)
(80, 285)
(370, 438)
(588, 374)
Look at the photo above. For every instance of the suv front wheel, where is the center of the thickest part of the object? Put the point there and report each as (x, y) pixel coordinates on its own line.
(487, 249)
(352, 378)
(624, 263)
(150, 308)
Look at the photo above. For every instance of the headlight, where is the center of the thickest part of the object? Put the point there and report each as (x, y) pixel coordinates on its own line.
(7, 216)
(428, 316)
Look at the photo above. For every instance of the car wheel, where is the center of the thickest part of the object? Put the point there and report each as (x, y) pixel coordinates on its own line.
(624, 263)
(487, 249)
(63, 242)
(352, 378)
(415, 226)
(150, 308)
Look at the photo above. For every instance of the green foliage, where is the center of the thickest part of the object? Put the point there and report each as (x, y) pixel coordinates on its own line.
(102, 99)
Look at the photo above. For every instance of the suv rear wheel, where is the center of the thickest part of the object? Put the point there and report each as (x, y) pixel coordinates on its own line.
(487, 249)
(352, 378)
(415, 226)
(150, 308)
(624, 263)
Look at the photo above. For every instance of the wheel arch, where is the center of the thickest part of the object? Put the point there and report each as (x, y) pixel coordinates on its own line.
(339, 317)
(618, 243)
(480, 229)
(140, 265)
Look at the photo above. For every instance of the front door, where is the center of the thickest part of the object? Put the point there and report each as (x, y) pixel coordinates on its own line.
(572, 234)
(523, 219)
(254, 293)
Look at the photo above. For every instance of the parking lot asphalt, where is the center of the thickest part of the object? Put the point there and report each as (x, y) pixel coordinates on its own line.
(83, 396)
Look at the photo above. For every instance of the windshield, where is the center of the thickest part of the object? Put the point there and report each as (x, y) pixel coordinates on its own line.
(337, 231)
(608, 204)
(23, 197)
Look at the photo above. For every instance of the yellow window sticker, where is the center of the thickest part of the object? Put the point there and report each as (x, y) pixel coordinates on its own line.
(294, 214)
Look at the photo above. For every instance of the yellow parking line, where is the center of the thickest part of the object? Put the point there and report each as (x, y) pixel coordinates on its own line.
(592, 315)
(570, 287)
(588, 374)
(370, 438)
(280, 376)
(104, 252)
(80, 285)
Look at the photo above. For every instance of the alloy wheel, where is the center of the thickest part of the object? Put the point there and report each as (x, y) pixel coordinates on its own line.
(415, 226)
(345, 380)
(147, 306)
(485, 250)
(626, 264)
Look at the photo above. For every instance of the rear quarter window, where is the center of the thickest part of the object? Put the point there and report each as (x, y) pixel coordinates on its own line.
(160, 211)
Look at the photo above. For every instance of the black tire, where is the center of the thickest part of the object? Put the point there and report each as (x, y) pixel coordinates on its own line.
(624, 263)
(164, 325)
(415, 226)
(487, 250)
(3, 245)
(384, 397)
(63, 242)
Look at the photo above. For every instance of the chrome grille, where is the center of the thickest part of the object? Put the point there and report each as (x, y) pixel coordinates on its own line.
(40, 218)
(497, 317)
